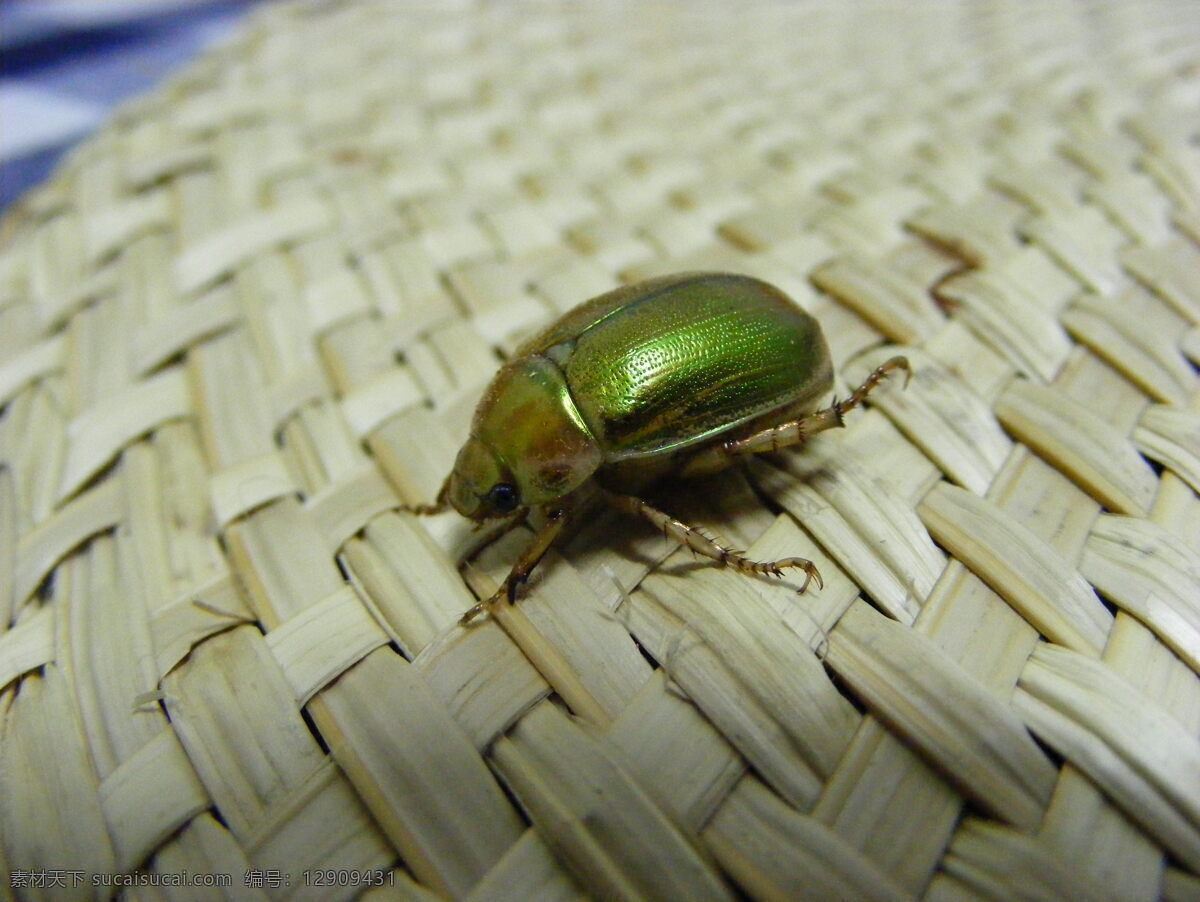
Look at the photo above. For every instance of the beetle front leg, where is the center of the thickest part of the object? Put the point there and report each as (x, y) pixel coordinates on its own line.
(529, 559)
(796, 432)
(699, 543)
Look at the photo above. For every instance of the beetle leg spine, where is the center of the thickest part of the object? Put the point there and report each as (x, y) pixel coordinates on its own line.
(839, 411)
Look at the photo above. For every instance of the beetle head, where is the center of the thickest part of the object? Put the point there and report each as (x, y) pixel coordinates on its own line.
(528, 444)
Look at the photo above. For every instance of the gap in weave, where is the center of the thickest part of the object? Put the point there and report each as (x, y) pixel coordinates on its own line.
(45, 589)
(460, 304)
(395, 646)
(97, 479)
(645, 653)
(312, 728)
(513, 802)
(1054, 757)
(12, 691)
(844, 690)
(1112, 607)
(340, 562)
(215, 811)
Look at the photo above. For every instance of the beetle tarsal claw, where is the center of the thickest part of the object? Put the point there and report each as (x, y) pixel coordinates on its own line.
(811, 574)
(775, 568)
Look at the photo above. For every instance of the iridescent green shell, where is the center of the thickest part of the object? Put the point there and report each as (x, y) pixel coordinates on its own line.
(620, 383)
(673, 362)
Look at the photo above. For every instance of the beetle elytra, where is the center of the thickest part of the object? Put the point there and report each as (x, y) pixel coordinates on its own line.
(679, 375)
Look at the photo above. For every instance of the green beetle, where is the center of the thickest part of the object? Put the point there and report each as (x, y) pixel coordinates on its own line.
(676, 375)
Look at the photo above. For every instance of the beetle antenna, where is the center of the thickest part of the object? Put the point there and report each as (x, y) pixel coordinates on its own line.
(440, 505)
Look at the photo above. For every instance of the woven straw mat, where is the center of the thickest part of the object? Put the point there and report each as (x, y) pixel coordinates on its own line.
(246, 324)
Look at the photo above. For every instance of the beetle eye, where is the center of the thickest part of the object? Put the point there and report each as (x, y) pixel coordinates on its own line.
(503, 497)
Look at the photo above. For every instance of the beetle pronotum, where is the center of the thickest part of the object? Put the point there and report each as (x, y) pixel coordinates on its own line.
(681, 375)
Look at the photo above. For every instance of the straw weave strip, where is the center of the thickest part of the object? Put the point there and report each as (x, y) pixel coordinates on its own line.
(246, 324)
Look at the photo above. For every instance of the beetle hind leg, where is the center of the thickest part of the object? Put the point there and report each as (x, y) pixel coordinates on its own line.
(797, 432)
(699, 543)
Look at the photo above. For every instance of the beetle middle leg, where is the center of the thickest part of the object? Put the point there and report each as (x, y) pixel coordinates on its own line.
(529, 559)
(798, 431)
(702, 544)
